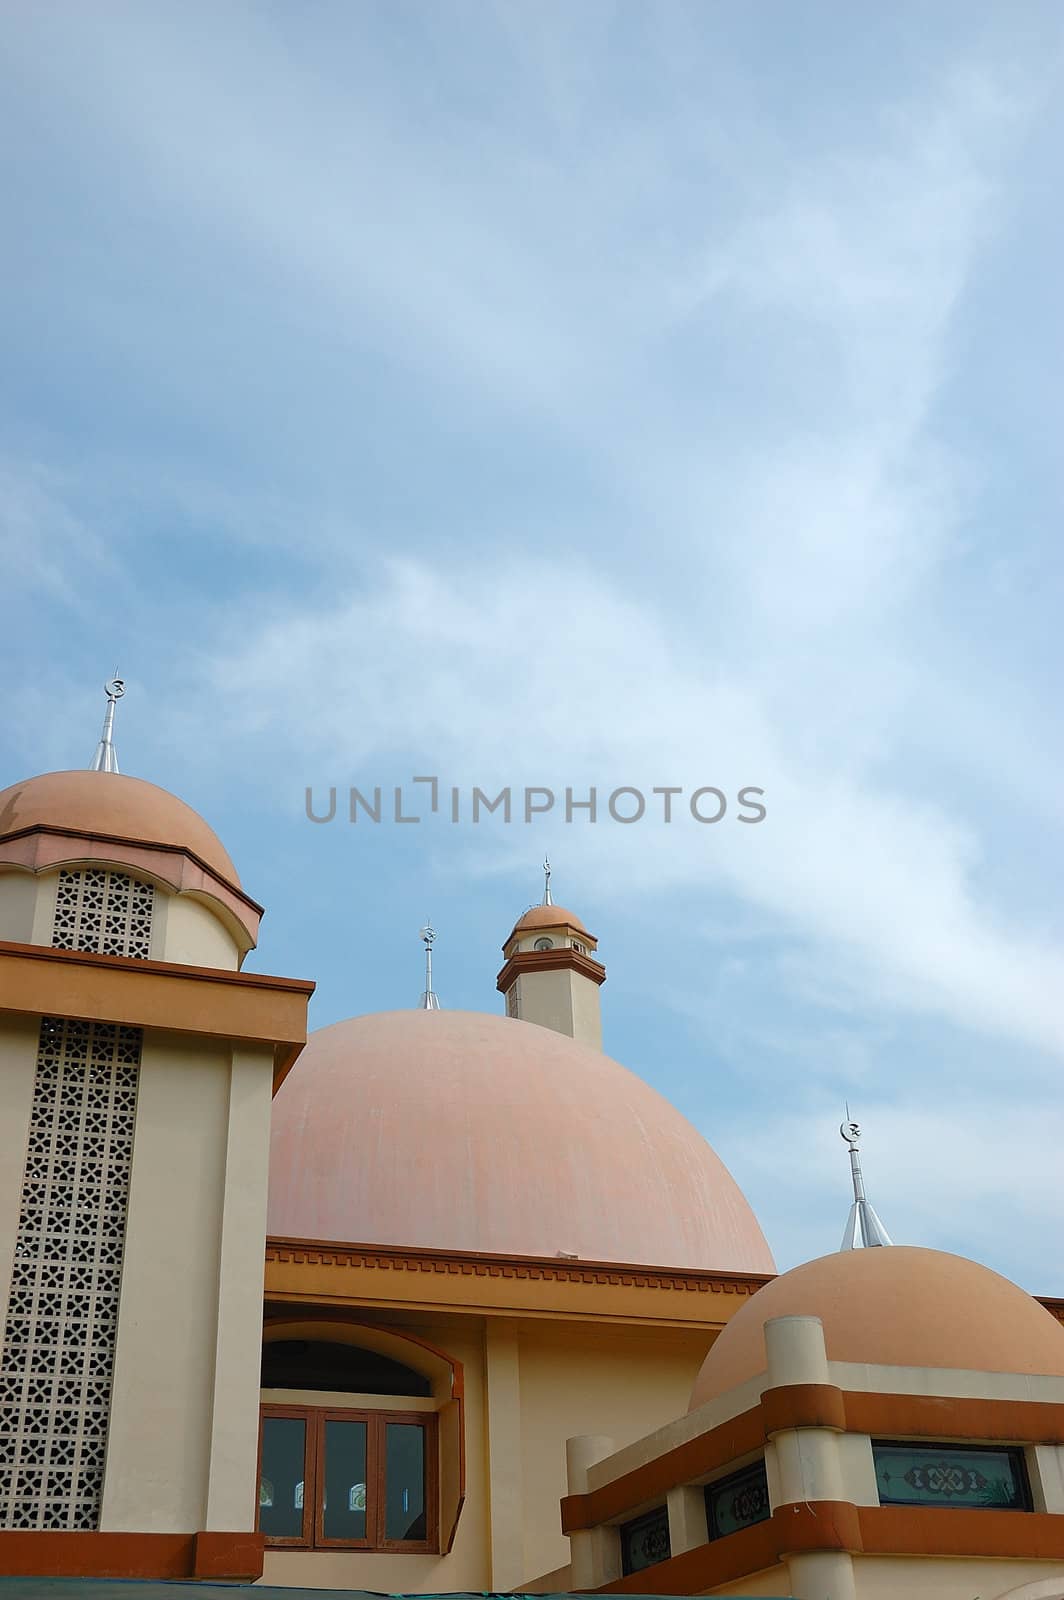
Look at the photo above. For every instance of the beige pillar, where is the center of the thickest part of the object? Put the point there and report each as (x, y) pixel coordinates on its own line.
(505, 1486)
(231, 1487)
(807, 1459)
(688, 1523)
(595, 1552)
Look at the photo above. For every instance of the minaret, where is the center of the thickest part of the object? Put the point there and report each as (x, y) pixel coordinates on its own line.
(863, 1227)
(429, 1000)
(550, 975)
(106, 757)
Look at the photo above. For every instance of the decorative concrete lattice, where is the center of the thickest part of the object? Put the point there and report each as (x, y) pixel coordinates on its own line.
(62, 1317)
(103, 911)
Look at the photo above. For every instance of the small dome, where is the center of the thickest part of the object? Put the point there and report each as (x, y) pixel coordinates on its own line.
(893, 1306)
(547, 917)
(110, 805)
(463, 1131)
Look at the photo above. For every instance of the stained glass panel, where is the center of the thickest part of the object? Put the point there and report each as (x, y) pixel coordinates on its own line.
(947, 1475)
(645, 1541)
(737, 1501)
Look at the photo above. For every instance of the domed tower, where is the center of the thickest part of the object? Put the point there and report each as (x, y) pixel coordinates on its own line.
(550, 974)
(535, 1235)
(137, 1065)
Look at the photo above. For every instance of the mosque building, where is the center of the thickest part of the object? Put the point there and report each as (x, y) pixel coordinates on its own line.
(441, 1301)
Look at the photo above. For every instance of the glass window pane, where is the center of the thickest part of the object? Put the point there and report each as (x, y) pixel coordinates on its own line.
(645, 1541)
(943, 1475)
(281, 1484)
(345, 1480)
(404, 1481)
(737, 1501)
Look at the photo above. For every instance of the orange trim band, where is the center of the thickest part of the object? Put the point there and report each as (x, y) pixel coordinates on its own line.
(819, 1406)
(694, 1459)
(803, 1405)
(131, 1555)
(549, 961)
(825, 1525)
(40, 981)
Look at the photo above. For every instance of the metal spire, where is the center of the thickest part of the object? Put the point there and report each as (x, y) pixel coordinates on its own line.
(429, 1000)
(863, 1227)
(547, 897)
(106, 757)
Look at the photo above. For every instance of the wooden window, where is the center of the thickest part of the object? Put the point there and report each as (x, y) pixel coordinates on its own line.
(354, 1480)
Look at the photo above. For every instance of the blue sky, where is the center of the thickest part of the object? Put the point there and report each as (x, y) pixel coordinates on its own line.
(583, 395)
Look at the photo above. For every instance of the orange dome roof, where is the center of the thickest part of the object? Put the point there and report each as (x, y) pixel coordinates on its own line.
(110, 805)
(893, 1306)
(463, 1131)
(547, 917)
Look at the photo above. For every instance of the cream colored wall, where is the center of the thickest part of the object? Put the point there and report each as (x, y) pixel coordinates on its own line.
(468, 1567)
(774, 1581)
(565, 1001)
(18, 1067)
(187, 931)
(18, 898)
(183, 1438)
(184, 929)
(926, 1578)
(621, 1382)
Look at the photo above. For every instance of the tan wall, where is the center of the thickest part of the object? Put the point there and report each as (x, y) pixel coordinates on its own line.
(188, 931)
(916, 1578)
(18, 1067)
(186, 1364)
(184, 929)
(18, 898)
(620, 1382)
(774, 1581)
(565, 1001)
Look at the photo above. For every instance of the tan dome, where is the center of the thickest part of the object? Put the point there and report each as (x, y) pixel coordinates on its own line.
(893, 1306)
(457, 1130)
(548, 917)
(110, 805)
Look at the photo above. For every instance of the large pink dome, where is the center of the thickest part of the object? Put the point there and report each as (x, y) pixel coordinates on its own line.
(460, 1131)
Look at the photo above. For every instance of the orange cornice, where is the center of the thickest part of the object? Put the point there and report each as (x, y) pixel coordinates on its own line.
(549, 961)
(483, 1264)
(163, 995)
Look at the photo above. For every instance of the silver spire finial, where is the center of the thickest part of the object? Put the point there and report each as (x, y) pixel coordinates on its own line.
(863, 1227)
(547, 897)
(106, 757)
(429, 1001)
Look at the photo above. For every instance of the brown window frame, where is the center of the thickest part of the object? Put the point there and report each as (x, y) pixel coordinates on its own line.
(312, 1536)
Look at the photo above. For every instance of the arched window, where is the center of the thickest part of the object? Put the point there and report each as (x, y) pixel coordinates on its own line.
(357, 1478)
(339, 1368)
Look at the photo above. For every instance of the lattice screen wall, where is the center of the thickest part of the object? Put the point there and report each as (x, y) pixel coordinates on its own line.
(59, 1337)
(104, 911)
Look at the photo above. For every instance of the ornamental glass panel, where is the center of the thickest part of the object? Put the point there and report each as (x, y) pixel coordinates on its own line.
(645, 1541)
(947, 1475)
(737, 1501)
(344, 1504)
(404, 1481)
(284, 1442)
